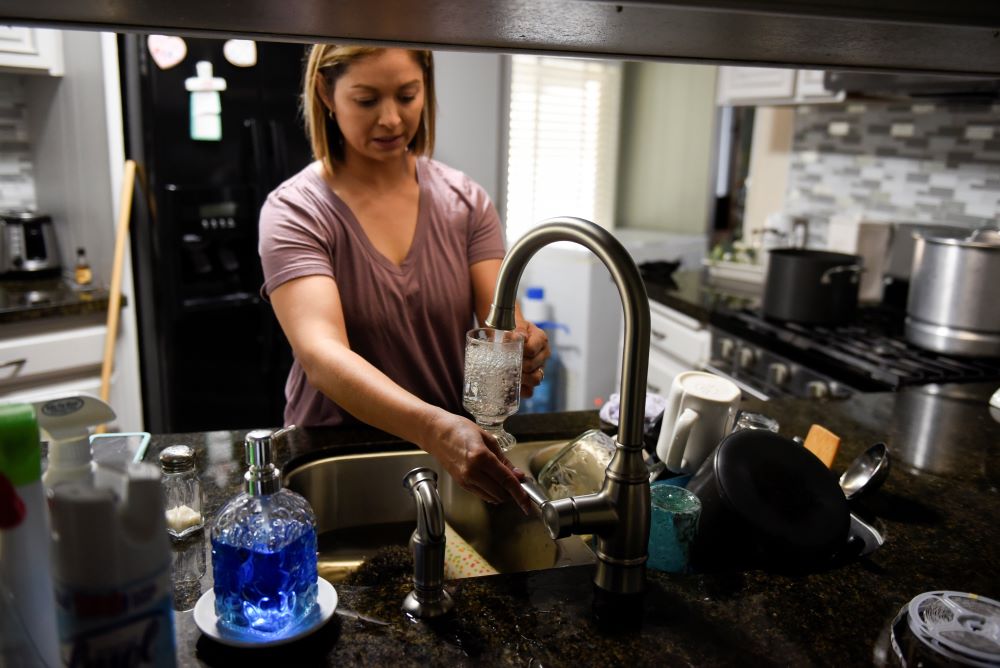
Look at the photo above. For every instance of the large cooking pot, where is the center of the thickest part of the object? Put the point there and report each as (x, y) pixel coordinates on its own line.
(952, 305)
(811, 286)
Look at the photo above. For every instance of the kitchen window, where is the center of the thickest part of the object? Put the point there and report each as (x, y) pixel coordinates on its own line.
(562, 148)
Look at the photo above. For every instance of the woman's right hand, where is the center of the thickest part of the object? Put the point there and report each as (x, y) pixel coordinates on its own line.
(472, 457)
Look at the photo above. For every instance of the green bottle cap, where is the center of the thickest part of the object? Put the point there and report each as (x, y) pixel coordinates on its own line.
(20, 452)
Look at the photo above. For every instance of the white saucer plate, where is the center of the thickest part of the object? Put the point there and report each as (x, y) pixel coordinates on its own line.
(205, 618)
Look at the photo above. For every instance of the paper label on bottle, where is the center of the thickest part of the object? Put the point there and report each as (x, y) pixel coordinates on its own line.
(131, 625)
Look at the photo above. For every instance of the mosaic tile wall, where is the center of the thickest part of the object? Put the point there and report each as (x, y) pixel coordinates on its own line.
(911, 162)
(17, 182)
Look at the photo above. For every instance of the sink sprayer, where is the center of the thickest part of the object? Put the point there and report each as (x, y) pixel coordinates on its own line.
(428, 598)
(617, 515)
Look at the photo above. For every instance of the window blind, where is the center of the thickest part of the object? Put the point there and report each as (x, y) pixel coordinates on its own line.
(562, 140)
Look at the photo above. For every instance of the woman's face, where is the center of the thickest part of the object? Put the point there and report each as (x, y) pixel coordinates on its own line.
(378, 102)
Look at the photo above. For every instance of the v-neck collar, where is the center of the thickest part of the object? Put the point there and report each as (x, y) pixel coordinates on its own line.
(418, 234)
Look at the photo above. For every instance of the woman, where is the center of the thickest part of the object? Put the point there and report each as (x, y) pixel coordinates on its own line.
(375, 260)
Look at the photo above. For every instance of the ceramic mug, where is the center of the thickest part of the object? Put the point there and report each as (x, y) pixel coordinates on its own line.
(701, 409)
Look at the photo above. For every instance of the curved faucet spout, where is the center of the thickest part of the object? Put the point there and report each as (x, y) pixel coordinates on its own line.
(635, 304)
(618, 515)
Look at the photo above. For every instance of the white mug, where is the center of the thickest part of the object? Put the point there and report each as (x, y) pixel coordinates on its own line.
(701, 409)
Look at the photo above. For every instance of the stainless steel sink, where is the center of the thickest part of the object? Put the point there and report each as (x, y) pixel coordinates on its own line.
(361, 505)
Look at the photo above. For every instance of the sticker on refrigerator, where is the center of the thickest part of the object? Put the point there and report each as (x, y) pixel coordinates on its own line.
(240, 52)
(206, 103)
(166, 50)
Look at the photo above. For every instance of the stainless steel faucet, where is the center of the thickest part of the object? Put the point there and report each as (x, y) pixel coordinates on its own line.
(618, 515)
(428, 598)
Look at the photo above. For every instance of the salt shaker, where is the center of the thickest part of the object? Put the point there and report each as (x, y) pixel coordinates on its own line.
(181, 491)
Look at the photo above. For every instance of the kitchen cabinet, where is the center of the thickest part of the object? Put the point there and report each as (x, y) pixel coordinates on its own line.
(51, 360)
(766, 86)
(31, 50)
(677, 343)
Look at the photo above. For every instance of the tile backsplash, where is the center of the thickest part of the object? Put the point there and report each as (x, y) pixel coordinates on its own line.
(17, 181)
(928, 162)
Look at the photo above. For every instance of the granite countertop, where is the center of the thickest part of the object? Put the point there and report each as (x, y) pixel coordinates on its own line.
(935, 511)
(22, 301)
(694, 293)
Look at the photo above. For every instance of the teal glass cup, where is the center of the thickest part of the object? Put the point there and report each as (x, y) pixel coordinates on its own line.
(674, 514)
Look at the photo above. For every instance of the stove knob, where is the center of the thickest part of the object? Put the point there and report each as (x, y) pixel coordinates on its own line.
(726, 347)
(778, 373)
(747, 358)
(817, 389)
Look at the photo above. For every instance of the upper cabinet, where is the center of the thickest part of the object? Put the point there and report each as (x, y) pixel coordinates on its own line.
(31, 51)
(772, 86)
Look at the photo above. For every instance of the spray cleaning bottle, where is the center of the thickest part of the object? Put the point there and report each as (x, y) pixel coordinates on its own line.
(111, 569)
(110, 551)
(66, 423)
(28, 632)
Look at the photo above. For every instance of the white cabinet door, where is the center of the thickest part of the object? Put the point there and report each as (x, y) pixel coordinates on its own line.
(678, 336)
(741, 86)
(755, 85)
(31, 50)
(54, 390)
(663, 369)
(54, 363)
(810, 87)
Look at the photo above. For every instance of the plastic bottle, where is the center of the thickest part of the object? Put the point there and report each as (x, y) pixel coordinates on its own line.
(66, 423)
(547, 397)
(111, 568)
(25, 565)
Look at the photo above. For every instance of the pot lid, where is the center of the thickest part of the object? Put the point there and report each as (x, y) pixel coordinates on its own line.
(784, 492)
(987, 237)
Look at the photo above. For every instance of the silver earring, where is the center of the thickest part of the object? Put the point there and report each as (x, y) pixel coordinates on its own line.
(330, 111)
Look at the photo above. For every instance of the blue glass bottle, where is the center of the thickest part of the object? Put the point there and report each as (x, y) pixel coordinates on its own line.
(264, 550)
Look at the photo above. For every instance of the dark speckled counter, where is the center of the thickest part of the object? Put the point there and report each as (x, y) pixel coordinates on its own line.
(695, 294)
(937, 511)
(25, 301)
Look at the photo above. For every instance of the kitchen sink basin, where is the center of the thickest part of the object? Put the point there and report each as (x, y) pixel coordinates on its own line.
(361, 506)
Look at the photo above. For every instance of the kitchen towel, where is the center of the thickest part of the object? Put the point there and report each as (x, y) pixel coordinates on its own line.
(461, 560)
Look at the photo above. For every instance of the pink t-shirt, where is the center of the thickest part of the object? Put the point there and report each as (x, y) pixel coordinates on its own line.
(409, 321)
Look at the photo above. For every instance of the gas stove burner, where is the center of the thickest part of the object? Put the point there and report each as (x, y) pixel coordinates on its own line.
(868, 355)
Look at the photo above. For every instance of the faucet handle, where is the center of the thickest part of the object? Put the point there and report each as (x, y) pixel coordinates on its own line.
(534, 492)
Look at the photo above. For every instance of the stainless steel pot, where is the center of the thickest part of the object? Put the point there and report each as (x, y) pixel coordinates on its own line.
(952, 305)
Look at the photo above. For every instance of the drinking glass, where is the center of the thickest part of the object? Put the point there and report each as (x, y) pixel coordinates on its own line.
(492, 387)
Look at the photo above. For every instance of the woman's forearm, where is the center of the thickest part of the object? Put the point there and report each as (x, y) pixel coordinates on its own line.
(365, 392)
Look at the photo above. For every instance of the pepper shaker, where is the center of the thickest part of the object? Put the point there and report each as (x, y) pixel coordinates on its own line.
(181, 491)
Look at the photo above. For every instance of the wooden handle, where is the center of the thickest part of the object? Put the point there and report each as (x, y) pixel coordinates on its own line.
(823, 443)
(115, 297)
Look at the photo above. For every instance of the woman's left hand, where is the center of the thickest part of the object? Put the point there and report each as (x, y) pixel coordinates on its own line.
(536, 351)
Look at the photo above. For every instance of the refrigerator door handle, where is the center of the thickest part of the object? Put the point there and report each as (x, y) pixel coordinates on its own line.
(259, 176)
(279, 152)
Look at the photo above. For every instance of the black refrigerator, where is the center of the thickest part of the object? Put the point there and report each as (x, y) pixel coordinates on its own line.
(212, 354)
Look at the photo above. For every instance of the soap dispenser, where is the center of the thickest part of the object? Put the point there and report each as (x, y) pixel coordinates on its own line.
(264, 550)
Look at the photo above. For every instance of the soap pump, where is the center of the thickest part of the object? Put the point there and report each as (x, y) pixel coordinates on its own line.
(66, 423)
(264, 550)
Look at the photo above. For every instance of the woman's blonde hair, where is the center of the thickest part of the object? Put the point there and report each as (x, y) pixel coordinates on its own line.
(326, 64)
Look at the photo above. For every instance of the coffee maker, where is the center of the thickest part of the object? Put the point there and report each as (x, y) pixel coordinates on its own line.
(28, 246)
